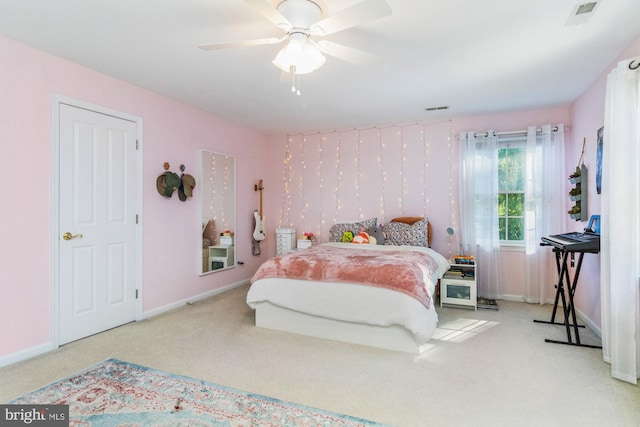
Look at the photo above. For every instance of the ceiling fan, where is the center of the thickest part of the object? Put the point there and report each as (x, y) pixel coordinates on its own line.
(303, 19)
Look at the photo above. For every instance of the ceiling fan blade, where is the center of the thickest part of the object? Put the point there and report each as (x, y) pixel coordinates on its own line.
(241, 43)
(368, 10)
(349, 54)
(271, 13)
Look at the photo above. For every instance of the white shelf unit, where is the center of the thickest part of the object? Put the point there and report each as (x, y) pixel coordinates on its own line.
(459, 287)
(220, 257)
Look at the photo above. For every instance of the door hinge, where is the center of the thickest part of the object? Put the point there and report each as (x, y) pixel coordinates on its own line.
(136, 294)
(136, 218)
(137, 144)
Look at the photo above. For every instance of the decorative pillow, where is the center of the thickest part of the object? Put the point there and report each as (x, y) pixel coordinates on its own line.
(337, 230)
(400, 233)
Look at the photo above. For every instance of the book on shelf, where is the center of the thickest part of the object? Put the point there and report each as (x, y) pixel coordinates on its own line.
(453, 274)
(459, 273)
(464, 259)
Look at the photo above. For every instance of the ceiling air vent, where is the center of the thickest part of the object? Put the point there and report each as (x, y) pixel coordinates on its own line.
(444, 107)
(582, 12)
(586, 8)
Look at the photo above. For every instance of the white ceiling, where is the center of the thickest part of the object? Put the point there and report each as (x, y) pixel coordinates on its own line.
(470, 55)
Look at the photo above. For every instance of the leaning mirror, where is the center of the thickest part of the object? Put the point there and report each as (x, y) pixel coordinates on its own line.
(217, 211)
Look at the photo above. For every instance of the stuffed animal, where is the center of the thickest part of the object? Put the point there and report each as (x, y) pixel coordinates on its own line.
(376, 235)
(347, 237)
(362, 238)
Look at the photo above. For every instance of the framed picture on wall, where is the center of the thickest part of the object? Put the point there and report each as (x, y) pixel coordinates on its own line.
(599, 160)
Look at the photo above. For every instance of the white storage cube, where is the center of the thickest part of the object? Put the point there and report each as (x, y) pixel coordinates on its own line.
(226, 240)
(304, 243)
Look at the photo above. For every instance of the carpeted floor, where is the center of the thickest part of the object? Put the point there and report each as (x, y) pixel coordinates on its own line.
(483, 368)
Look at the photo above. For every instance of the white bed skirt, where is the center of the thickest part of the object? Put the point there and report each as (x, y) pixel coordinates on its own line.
(392, 337)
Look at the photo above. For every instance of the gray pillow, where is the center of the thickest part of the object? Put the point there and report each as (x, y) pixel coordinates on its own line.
(399, 233)
(337, 230)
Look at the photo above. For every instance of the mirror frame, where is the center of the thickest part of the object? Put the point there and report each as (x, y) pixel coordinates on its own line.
(207, 188)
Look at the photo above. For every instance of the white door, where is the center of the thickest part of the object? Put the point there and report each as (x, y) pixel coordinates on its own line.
(98, 260)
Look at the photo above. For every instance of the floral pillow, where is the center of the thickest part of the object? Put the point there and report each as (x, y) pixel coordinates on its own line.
(337, 230)
(400, 233)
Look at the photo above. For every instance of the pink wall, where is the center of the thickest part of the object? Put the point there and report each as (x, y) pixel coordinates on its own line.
(344, 174)
(587, 117)
(172, 132)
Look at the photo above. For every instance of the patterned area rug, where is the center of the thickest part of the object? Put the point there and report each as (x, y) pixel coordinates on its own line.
(116, 393)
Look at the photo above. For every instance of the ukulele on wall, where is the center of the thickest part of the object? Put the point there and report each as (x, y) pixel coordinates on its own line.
(259, 232)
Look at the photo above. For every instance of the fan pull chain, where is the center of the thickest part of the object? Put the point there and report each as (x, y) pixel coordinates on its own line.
(292, 70)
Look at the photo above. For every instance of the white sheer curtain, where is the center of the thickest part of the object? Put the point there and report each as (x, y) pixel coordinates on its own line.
(544, 193)
(479, 209)
(620, 227)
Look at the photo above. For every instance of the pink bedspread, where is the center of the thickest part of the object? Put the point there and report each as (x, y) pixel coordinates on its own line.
(402, 271)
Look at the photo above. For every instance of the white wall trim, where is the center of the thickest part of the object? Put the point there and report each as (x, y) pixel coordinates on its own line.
(589, 323)
(191, 300)
(41, 349)
(25, 354)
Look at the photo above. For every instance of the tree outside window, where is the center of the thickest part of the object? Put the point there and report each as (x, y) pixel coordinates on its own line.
(511, 163)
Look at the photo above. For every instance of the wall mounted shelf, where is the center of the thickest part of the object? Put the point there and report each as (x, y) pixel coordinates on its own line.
(578, 194)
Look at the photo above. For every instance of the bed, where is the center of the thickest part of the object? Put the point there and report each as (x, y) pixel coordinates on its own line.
(375, 295)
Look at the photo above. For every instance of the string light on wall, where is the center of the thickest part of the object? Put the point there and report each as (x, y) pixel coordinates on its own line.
(425, 155)
(358, 173)
(339, 179)
(321, 184)
(383, 176)
(225, 187)
(212, 206)
(286, 182)
(303, 212)
(399, 148)
(403, 182)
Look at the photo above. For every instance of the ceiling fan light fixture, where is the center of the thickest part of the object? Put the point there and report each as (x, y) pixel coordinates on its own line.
(305, 57)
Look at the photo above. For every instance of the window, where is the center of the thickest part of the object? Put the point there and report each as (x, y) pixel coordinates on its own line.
(511, 190)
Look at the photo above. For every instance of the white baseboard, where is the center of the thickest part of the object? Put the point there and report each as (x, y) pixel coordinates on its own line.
(517, 298)
(585, 319)
(589, 323)
(191, 300)
(28, 353)
(38, 350)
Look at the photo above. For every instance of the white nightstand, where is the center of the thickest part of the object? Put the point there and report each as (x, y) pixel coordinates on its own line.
(220, 257)
(459, 287)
